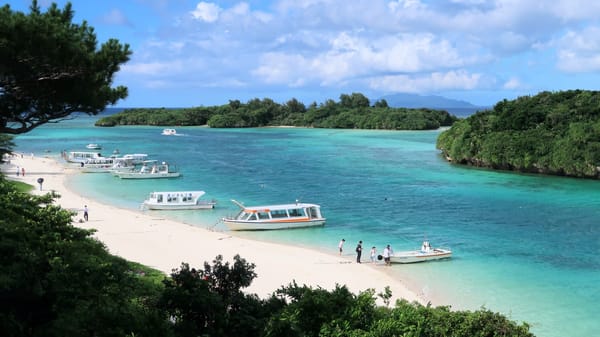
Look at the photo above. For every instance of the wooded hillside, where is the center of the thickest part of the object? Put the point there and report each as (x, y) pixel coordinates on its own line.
(552, 133)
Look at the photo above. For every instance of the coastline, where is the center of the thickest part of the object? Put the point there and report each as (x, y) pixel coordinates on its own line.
(164, 244)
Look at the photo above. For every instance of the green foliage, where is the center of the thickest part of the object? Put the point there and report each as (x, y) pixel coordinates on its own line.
(57, 281)
(352, 112)
(51, 67)
(318, 312)
(6, 145)
(210, 302)
(552, 133)
(158, 117)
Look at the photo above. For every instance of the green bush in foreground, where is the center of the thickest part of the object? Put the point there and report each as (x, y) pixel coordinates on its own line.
(55, 280)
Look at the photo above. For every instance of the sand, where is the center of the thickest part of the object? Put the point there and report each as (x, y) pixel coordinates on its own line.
(164, 244)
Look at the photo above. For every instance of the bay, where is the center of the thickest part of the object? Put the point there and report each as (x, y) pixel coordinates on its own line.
(524, 245)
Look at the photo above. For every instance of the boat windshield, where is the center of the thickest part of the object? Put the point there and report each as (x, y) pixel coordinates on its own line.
(296, 212)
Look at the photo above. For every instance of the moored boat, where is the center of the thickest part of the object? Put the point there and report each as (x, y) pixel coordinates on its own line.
(178, 200)
(426, 253)
(268, 217)
(169, 132)
(94, 146)
(97, 165)
(81, 156)
(150, 169)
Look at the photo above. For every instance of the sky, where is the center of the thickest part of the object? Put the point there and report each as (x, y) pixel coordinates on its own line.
(189, 53)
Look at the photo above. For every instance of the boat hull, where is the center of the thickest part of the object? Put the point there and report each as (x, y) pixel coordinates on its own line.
(163, 207)
(417, 256)
(137, 175)
(96, 169)
(236, 225)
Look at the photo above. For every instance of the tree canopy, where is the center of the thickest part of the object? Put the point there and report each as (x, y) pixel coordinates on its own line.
(552, 133)
(51, 67)
(351, 112)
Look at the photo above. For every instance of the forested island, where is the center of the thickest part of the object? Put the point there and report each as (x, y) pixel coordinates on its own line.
(351, 112)
(555, 133)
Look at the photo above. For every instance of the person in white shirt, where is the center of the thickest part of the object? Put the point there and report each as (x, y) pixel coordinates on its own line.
(387, 253)
(341, 246)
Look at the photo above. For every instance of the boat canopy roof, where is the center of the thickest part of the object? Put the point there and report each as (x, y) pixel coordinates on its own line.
(196, 193)
(268, 208)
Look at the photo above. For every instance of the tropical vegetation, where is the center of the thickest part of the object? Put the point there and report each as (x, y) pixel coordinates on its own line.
(51, 67)
(554, 133)
(351, 112)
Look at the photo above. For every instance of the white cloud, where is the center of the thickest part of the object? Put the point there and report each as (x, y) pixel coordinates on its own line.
(388, 45)
(579, 51)
(278, 68)
(402, 5)
(512, 83)
(115, 17)
(206, 11)
(436, 81)
(349, 57)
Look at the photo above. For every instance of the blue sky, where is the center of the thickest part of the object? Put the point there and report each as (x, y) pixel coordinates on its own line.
(192, 53)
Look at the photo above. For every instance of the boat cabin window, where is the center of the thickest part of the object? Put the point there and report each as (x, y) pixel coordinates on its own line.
(159, 198)
(313, 212)
(246, 216)
(279, 213)
(263, 215)
(296, 212)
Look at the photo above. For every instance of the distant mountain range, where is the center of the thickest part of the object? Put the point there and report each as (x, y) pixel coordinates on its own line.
(419, 101)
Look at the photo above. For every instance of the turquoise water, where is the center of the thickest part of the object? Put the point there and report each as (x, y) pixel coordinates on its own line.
(525, 245)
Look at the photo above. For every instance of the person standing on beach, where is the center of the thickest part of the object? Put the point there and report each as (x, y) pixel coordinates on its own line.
(358, 251)
(387, 252)
(85, 213)
(18, 171)
(373, 254)
(23, 171)
(341, 246)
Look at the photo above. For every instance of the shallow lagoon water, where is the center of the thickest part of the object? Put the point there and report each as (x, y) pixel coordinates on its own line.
(525, 245)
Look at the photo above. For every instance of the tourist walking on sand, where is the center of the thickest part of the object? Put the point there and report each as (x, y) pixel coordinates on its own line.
(341, 246)
(18, 171)
(358, 251)
(85, 213)
(23, 171)
(373, 254)
(387, 252)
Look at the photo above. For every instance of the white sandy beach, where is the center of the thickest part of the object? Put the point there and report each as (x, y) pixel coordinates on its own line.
(164, 244)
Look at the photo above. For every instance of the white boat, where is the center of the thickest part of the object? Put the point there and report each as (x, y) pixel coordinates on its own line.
(169, 132)
(177, 200)
(135, 158)
(426, 253)
(81, 156)
(284, 216)
(94, 146)
(97, 165)
(150, 169)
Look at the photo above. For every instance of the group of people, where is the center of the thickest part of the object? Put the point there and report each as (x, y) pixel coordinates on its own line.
(387, 252)
(20, 171)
